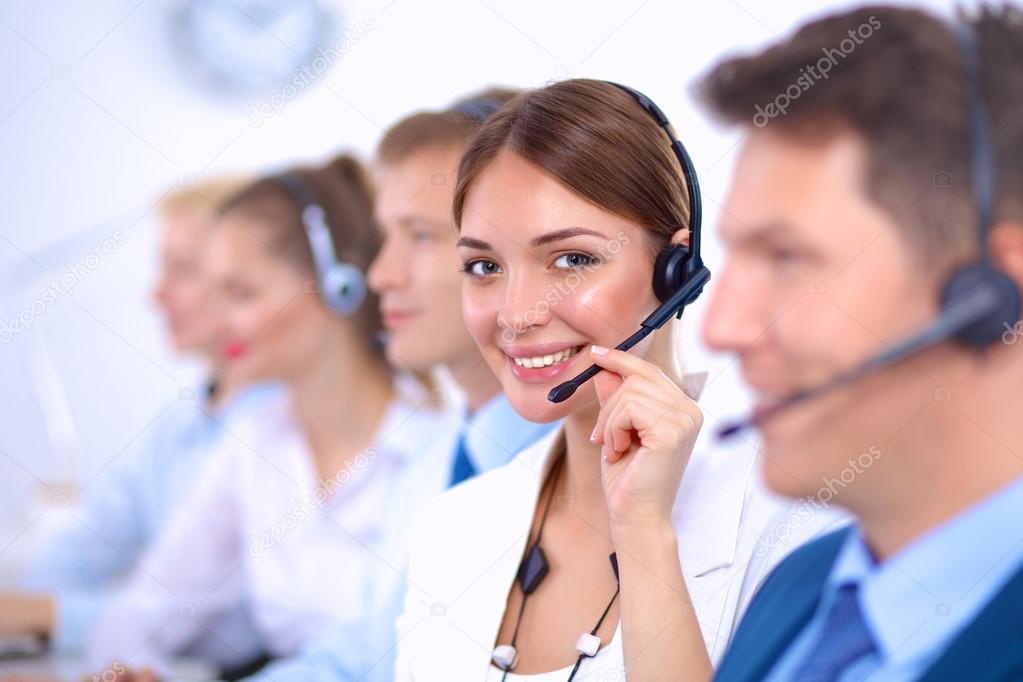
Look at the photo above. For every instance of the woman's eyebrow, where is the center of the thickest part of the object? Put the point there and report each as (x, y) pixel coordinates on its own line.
(566, 233)
(557, 235)
(414, 221)
(473, 243)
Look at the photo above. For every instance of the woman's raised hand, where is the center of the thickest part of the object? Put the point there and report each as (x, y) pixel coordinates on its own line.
(647, 427)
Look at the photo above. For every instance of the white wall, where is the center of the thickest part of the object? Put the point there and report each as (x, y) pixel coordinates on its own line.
(98, 118)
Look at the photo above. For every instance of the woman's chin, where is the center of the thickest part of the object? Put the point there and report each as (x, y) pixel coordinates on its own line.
(532, 405)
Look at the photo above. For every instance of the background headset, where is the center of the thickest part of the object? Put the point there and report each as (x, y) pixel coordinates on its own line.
(479, 109)
(679, 272)
(342, 285)
(978, 301)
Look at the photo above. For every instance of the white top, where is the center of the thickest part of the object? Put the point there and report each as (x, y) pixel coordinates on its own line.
(606, 666)
(259, 529)
(467, 544)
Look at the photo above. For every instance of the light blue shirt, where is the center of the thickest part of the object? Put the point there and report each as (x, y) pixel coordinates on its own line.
(124, 508)
(917, 602)
(494, 435)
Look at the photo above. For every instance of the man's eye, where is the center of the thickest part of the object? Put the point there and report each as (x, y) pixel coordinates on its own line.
(572, 261)
(242, 295)
(785, 256)
(481, 268)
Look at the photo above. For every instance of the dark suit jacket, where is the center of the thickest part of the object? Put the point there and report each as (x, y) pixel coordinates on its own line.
(989, 648)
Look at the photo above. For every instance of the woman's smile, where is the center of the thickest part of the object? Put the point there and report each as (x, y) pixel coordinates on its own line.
(540, 363)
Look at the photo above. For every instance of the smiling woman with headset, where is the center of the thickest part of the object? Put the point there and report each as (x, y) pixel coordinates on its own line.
(295, 520)
(612, 547)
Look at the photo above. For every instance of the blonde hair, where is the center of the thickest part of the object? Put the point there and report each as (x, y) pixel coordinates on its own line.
(205, 200)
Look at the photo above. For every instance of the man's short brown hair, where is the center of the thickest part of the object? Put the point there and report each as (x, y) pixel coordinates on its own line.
(896, 78)
(438, 129)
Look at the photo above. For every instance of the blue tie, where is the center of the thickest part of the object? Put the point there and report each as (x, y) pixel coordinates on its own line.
(843, 639)
(462, 467)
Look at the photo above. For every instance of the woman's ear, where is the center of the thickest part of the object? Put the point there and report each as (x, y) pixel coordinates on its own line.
(1006, 244)
(680, 237)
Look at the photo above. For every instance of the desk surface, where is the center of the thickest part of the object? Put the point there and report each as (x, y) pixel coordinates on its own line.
(72, 669)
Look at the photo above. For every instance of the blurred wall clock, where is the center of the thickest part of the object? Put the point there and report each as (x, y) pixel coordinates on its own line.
(249, 47)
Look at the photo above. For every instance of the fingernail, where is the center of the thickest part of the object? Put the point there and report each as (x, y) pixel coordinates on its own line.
(598, 350)
(593, 436)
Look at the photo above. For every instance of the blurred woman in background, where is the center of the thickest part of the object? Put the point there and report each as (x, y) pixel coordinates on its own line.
(126, 506)
(297, 520)
(418, 282)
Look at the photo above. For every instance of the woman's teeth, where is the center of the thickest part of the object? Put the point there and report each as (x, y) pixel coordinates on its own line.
(547, 360)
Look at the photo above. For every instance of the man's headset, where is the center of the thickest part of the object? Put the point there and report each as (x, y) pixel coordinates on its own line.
(978, 301)
(342, 285)
(679, 272)
(479, 109)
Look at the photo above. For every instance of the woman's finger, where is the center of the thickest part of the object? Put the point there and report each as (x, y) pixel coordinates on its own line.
(634, 385)
(624, 426)
(624, 364)
(605, 384)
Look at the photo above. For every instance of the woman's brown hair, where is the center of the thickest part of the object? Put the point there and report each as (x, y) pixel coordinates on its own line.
(597, 141)
(343, 189)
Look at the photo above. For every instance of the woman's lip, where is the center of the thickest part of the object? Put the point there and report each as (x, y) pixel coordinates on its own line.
(394, 319)
(234, 350)
(540, 375)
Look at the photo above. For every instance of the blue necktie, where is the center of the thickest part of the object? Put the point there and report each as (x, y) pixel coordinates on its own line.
(462, 467)
(843, 639)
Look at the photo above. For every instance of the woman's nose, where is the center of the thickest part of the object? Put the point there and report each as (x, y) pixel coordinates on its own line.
(524, 305)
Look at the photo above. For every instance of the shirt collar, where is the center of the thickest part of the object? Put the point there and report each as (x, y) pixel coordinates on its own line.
(496, 432)
(410, 419)
(915, 602)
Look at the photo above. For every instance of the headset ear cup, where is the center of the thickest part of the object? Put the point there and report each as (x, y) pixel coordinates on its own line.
(670, 270)
(344, 288)
(1004, 313)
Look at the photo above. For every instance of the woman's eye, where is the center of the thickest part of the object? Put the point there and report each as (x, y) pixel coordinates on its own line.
(242, 295)
(785, 257)
(481, 268)
(573, 261)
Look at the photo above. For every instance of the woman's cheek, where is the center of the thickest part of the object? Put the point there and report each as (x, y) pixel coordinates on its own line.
(479, 318)
(605, 311)
(247, 321)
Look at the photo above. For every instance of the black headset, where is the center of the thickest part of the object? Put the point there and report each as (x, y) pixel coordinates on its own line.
(679, 272)
(978, 301)
(992, 294)
(342, 285)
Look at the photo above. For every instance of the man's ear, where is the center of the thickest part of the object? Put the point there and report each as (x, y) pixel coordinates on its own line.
(1006, 244)
(680, 237)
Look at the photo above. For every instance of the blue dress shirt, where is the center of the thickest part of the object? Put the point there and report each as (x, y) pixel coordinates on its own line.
(915, 603)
